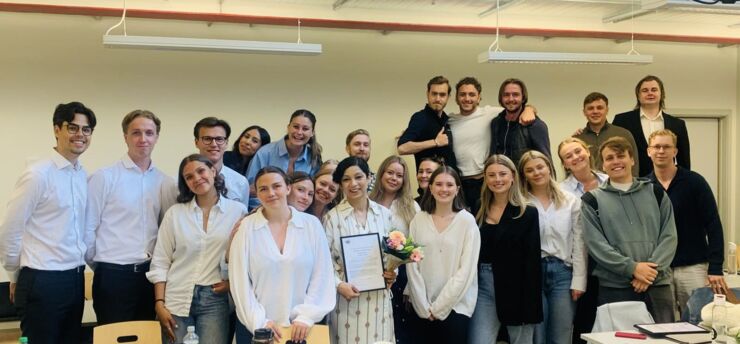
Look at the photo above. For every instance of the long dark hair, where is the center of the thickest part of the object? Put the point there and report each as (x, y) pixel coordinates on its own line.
(264, 138)
(313, 143)
(186, 195)
(429, 204)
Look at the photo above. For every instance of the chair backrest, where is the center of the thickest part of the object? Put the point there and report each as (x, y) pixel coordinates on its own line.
(620, 316)
(143, 332)
(319, 334)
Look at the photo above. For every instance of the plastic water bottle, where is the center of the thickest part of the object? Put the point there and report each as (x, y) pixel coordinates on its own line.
(731, 258)
(719, 318)
(190, 337)
(23, 340)
(262, 336)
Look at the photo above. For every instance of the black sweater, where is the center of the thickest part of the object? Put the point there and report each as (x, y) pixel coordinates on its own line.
(700, 237)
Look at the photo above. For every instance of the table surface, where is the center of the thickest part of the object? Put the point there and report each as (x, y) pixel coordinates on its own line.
(609, 338)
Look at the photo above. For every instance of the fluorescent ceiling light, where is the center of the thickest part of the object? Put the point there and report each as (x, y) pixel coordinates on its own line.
(219, 45)
(562, 58)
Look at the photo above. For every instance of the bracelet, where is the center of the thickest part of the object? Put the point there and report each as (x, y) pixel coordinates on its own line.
(157, 300)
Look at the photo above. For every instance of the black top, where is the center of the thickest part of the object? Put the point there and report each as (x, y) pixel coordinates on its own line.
(699, 229)
(234, 161)
(512, 139)
(631, 121)
(514, 249)
(425, 125)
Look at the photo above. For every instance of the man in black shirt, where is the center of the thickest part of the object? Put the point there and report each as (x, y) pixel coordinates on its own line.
(427, 134)
(700, 253)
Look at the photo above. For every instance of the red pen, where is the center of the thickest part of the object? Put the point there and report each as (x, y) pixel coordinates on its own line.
(630, 335)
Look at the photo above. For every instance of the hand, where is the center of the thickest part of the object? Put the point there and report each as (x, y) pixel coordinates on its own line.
(442, 140)
(528, 115)
(718, 284)
(578, 131)
(576, 294)
(275, 330)
(221, 287)
(646, 272)
(348, 291)
(390, 278)
(639, 286)
(299, 331)
(165, 319)
(12, 292)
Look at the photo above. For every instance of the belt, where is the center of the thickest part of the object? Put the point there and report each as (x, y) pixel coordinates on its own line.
(138, 267)
(77, 270)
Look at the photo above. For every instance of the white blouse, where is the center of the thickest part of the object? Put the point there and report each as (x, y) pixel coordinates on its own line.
(396, 219)
(561, 236)
(266, 284)
(447, 278)
(186, 255)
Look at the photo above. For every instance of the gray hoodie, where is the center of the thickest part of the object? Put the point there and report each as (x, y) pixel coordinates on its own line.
(629, 227)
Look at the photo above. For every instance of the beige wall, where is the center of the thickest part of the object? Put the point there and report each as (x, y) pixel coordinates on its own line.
(363, 79)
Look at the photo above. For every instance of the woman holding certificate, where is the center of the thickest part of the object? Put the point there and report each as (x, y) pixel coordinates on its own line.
(279, 265)
(360, 316)
(443, 287)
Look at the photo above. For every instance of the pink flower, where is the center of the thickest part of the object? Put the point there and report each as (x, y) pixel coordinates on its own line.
(416, 255)
(397, 237)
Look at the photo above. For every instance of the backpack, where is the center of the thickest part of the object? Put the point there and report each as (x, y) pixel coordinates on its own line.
(589, 198)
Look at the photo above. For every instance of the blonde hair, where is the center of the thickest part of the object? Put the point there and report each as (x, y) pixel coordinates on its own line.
(515, 197)
(585, 146)
(663, 132)
(406, 209)
(553, 190)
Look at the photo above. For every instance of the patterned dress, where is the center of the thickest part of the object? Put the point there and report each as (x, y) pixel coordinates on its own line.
(369, 317)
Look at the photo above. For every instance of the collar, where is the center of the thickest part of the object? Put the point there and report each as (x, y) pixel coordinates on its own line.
(659, 117)
(605, 127)
(282, 149)
(130, 164)
(61, 162)
(345, 209)
(260, 220)
(193, 205)
(433, 113)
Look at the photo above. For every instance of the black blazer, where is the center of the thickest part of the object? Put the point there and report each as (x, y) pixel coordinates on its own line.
(517, 270)
(631, 121)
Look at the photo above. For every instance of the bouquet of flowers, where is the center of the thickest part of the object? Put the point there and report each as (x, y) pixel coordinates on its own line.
(400, 250)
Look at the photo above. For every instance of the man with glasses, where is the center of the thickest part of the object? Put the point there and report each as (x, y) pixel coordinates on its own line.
(211, 139)
(42, 243)
(700, 253)
(125, 204)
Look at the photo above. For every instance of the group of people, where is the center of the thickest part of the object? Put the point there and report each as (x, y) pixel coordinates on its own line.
(250, 238)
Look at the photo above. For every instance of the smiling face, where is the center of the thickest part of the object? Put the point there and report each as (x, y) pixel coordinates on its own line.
(250, 142)
(662, 150)
(213, 150)
(141, 136)
(467, 98)
(71, 146)
(199, 177)
(354, 183)
(618, 165)
(649, 93)
(300, 130)
(272, 190)
(359, 146)
(537, 172)
(326, 189)
(443, 188)
(499, 179)
(575, 157)
(392, 178)
(424, 172)
(512, 97)
(301, 195)
(596, 112)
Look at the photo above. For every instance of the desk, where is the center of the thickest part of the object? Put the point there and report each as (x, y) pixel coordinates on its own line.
(609, 338)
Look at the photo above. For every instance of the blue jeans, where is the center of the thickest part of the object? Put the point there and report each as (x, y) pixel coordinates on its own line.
(484, 324)
(557, 303)
(209, 313)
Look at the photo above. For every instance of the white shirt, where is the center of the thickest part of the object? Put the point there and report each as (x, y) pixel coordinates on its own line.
(561, 236)
(471, 137)
(447, 278)
(44, 224)
(398, 223)
(186, 255)
(572, 185)
(296, 284)
(124, 208)
(237, 186)
(651, 125)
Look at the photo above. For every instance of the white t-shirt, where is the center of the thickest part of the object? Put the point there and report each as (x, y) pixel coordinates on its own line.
(471, 137)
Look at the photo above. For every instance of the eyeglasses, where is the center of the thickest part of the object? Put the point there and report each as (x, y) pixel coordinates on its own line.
(661, 147)
(220, 140)
(74, 129)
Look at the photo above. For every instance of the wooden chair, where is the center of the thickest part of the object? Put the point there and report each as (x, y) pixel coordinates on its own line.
(88, 285)
(319, 334)
(142, 332)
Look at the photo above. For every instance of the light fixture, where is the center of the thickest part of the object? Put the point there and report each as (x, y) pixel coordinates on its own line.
(201, 44)
(496, 55)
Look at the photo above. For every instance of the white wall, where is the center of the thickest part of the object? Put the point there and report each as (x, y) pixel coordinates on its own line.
(363, 79)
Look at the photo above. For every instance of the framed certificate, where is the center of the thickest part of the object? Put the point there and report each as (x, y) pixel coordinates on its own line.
(363, 261)
(661, 330)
